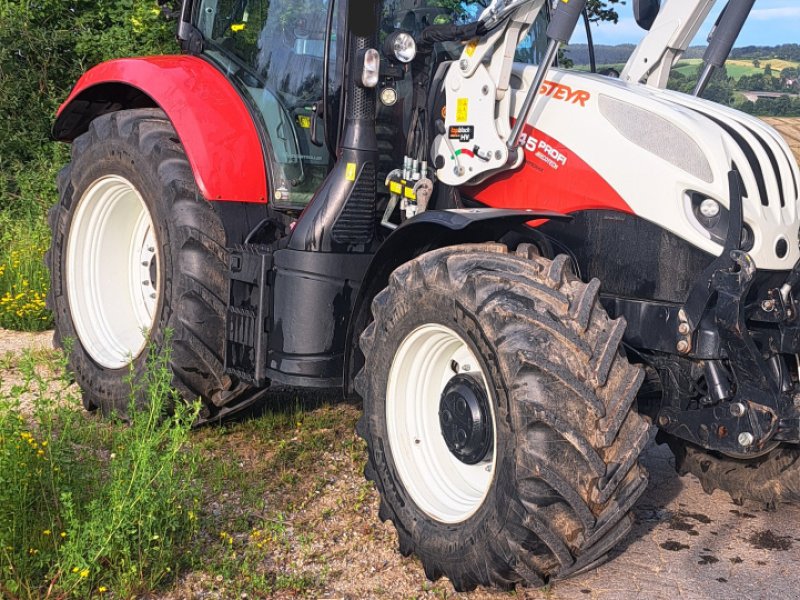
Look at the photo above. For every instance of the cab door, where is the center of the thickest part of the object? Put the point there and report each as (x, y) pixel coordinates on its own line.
(275, 52)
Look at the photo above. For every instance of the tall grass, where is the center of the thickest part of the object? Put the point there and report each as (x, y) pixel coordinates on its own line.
(89, 507)
(24, 280)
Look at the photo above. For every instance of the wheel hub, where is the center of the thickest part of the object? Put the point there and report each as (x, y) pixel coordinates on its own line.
(465, 419)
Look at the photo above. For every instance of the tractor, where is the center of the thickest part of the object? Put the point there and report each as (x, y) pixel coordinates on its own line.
(520, 269)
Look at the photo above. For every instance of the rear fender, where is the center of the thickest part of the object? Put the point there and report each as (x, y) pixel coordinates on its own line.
(211, 119)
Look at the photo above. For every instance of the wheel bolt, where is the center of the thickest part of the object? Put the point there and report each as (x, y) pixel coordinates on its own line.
(746, 439)
(737, 409)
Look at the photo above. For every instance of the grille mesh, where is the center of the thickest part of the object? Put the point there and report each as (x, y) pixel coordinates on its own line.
(355, 224)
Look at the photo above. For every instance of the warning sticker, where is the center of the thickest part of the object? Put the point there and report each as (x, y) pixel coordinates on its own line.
(304, 121)
(350, 172)
(462, 110)
(462, 133)
(470, 49)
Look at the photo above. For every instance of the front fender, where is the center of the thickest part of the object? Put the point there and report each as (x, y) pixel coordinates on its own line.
(427, 231)
(211, 119)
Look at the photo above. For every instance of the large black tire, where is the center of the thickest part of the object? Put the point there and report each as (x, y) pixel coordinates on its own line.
(142, 147)
(566, 468)
(769, 479)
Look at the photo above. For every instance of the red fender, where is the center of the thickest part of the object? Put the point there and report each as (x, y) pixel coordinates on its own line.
(210, 118)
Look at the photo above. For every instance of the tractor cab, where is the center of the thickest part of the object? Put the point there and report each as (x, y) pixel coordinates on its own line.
(288, 62)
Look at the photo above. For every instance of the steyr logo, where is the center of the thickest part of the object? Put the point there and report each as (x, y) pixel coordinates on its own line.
(559, 91)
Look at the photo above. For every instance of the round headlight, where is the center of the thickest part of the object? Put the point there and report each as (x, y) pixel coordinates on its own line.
(709, 208)
(401, 46)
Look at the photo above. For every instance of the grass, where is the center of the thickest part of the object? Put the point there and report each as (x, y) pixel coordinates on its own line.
(24, 280)
(736, 68)
(98, 508)
(260, 474)
(88, 507)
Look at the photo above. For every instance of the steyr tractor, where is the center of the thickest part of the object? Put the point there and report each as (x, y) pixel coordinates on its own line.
(518, 268)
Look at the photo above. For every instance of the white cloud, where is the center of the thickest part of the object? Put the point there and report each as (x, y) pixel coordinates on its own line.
(767, 14)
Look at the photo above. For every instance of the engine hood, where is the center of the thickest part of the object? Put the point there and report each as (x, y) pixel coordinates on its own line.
(660, 150)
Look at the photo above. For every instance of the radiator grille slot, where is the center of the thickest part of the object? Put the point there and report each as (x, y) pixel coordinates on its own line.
(356, 223)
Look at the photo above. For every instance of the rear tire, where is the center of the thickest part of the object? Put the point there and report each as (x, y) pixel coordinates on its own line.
(563, 470)
(769, 479)
(130, 166)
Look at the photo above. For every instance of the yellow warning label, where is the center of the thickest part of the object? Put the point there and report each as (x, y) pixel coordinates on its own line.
(304, 121)
(350, 172)
(395, 187)
(409, 193)
(462, 110)
(470, 49)
(238, 27)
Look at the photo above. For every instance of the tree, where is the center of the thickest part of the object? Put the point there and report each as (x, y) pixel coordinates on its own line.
(44, 47)
(756, 63)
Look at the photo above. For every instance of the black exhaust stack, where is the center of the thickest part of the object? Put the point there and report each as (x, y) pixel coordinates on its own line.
(341, 215)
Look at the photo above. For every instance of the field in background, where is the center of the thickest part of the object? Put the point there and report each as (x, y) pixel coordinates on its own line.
(790, 130)
(738, 68)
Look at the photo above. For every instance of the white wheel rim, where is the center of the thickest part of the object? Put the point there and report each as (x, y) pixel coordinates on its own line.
(112, 271)
(442, 486)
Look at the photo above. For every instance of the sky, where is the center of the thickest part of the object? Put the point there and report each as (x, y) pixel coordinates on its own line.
(771, 22)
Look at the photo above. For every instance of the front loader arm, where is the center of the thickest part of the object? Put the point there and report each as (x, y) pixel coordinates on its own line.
(476, 139)
(670, 35)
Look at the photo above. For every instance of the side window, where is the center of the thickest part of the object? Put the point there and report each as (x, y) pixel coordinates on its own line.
(275, 50)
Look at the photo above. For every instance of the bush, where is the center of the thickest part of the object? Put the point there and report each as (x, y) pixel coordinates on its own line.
(88, 507)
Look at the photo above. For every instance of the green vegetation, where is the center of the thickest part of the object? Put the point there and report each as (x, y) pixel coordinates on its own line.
(738, 68)
(92, 507)
(44, 47)
(726, 88)
(89, 507)
(23, 277)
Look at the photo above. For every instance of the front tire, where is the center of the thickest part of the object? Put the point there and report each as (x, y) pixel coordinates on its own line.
(549, 495)
(769, 479)
(137, 251)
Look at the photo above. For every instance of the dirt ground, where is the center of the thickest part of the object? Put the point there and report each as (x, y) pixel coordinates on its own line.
(685, 544)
